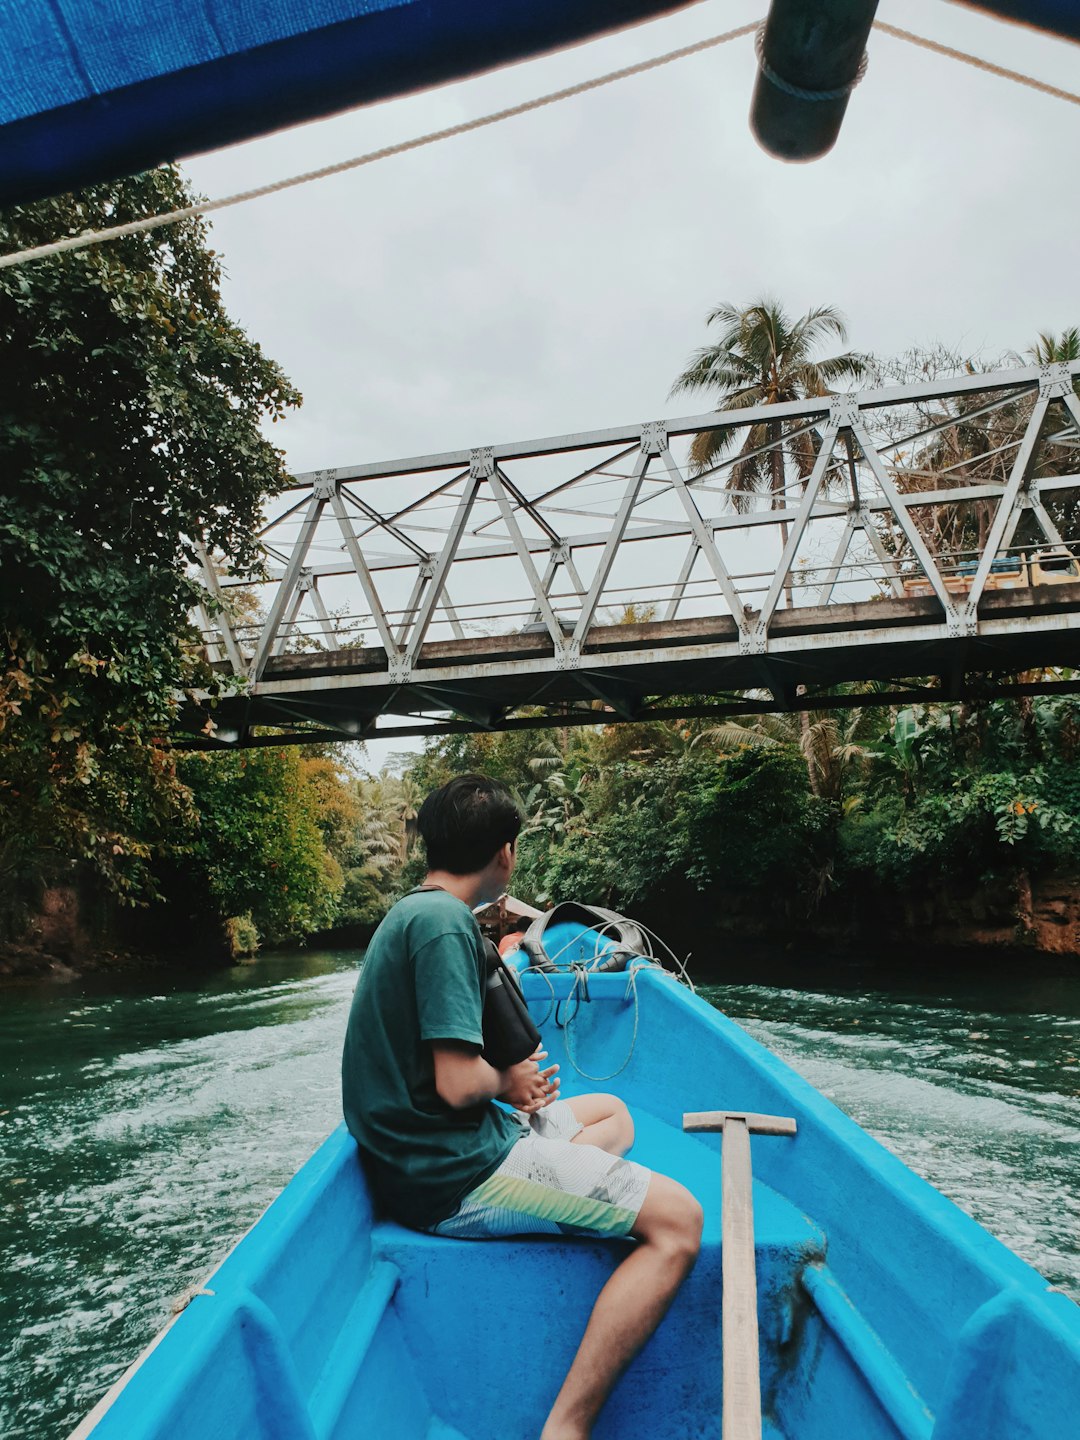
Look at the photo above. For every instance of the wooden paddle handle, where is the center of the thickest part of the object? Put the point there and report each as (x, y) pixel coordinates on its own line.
(742, 1366)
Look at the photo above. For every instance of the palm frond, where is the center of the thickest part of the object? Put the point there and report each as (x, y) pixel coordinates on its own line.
(824, 322)
(707, 448)
(731, 734)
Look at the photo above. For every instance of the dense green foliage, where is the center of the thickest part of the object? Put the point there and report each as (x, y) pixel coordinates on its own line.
(782, 818)
(268, 824)
(970, 792)
(130, 423)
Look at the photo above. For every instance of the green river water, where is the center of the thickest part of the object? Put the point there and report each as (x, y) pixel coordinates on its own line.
(147, 1123)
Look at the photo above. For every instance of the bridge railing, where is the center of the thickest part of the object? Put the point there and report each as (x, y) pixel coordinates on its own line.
(946, 489)
(843, 499)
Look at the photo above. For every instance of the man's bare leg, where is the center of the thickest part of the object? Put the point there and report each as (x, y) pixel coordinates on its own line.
(607, 1123)
(630, 1306)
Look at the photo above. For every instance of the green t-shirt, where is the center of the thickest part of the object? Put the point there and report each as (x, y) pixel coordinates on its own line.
(422, 980)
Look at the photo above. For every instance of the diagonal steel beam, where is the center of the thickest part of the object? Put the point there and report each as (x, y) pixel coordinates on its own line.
(321, 611)
(497, 482)
(546, 583)
(351, 727)
(419, 504)
(363, 574)
(379, 522)
(268, 636)
(910, 530)
(1050, 530)
(832, 575)
(460, 702)
(802, 519)
(889, 563)
(530, 509)
(1018, 480)
(207, 634)
(451, 614)
(614, 540)
(224, 623)
(682, 582)
(1072, 404)
(424, 572)
(280, 519)
(623, 699)
(705, 538)
(285, 629)
(439, 575)
(572, 570)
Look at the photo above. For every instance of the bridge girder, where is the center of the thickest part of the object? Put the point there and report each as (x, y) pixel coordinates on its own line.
(849, 579)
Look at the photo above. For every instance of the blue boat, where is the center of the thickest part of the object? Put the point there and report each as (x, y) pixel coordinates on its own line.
(884, 1312)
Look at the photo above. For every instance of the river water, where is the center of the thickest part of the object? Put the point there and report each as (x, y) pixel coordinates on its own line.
(147, 1124)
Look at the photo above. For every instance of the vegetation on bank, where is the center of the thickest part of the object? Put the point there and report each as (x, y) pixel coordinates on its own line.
(130, 428)
(678, 822)
(132, 431)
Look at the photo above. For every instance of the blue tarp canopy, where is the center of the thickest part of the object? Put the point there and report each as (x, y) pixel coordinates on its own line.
(91, 89)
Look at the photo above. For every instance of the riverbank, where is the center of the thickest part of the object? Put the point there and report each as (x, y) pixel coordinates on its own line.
(1024, 915)
(1015, 921)
(67, 956)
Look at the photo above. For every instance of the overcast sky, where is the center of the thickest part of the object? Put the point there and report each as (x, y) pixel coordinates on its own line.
(552, 274)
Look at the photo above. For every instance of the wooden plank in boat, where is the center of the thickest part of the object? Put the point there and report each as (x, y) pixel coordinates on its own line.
(713, 1120)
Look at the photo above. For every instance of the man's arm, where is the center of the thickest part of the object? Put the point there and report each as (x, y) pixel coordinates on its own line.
(464, 1078)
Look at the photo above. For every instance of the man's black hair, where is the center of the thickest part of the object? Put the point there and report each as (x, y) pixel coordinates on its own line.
(465, 822)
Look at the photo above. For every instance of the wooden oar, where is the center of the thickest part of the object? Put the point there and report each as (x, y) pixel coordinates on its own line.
(742, 1377)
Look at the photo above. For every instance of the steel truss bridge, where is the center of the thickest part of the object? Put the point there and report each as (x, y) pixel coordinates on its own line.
(594, 578)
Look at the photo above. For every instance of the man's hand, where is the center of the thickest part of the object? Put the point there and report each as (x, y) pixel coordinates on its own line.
(527, 1087)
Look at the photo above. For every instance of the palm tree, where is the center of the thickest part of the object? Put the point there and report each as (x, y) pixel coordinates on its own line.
(831, 743)
(763, 358)
(558, 794)
(1050, 347)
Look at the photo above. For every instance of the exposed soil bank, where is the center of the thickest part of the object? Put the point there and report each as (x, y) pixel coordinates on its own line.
(61, 944)
(1024, 915)
(71, 936)
(1040, 915)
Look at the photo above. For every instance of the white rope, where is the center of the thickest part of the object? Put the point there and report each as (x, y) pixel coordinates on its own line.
(207, 207)
(631, 988)
(965, 59)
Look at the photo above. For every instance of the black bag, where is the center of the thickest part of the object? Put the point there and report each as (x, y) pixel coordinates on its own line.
(510, 1035)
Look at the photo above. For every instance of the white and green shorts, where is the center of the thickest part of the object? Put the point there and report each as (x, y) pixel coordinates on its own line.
(548, 1186)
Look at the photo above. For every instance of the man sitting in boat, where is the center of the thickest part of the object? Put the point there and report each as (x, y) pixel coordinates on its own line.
(442, 1157)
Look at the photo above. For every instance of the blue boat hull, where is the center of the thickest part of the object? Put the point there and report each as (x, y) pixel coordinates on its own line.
(884, 1311)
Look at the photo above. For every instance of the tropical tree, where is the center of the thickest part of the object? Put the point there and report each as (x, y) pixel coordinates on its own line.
(763, 357)
(559, 792)
(258, 847)
(833, 743)
(130, 423)
(964, 444)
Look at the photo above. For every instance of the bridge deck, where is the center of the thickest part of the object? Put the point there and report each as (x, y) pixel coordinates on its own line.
(479, 679)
